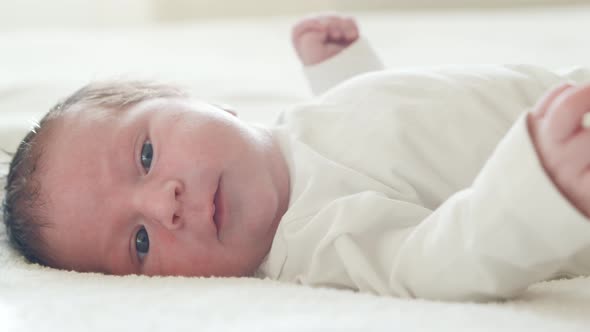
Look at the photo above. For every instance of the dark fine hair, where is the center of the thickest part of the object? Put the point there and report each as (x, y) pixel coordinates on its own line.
(23, 205)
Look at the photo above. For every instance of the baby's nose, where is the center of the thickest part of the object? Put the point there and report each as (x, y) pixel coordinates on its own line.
(161, 203)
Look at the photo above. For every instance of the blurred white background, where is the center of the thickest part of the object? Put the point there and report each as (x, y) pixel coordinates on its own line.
(238, 51)
(18, 14)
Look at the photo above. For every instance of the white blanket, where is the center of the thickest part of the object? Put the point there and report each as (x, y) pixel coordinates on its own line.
(32, 299)
(249, 63)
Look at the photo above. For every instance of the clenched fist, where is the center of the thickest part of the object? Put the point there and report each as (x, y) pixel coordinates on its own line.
(563, 143)
(319, 38)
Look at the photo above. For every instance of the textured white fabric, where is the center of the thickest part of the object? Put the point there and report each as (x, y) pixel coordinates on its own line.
(399, 186)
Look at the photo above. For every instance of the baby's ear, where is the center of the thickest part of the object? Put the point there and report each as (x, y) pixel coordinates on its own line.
(226, 108)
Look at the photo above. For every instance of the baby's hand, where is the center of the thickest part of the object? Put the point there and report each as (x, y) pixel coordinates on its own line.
(319, 38)
(563, 143)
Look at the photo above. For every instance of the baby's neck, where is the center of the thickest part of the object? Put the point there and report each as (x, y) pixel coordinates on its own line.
(278, 169)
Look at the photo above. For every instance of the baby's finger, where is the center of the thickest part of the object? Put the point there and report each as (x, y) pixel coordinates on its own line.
(565, 114)
(305, 26)
(543, 104)
(336, 32)
(350, 29)
(311, 39)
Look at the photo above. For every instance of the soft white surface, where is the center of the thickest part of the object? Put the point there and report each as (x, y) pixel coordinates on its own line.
(249, 64)
(42, 13)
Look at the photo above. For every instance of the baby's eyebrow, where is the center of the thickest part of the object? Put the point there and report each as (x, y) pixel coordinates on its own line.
(122, 160)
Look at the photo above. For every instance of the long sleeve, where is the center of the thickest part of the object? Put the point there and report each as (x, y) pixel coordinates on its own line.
(492, 240)
(426, 184)
(508, 230)
(357, 59)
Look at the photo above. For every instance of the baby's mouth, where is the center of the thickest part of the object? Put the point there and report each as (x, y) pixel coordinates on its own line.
(218, 206)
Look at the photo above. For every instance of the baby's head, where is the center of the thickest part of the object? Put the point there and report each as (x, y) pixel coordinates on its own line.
(130, 177)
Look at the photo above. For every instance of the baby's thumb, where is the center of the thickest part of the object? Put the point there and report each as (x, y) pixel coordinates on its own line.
(545, 102)
(566, 113)
(312, 38)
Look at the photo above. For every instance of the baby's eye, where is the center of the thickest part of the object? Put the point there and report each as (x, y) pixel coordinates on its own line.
(142, 243)
(147, 152)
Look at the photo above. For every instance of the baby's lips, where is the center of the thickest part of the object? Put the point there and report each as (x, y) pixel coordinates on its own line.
(218, 207)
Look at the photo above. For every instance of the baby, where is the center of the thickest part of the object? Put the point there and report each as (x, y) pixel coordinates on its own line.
(418, 183)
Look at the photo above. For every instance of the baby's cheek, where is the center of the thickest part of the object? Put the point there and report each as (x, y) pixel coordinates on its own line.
(180, 259)
(164, 240)
(162, 258)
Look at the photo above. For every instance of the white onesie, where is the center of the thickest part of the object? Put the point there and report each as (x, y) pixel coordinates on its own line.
(423, 183)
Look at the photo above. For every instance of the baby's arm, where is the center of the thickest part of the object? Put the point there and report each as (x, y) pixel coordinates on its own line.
(507, 229)
(523, 220)
(331, 50)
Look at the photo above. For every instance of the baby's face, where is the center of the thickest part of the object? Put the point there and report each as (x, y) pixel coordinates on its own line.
(167, 187)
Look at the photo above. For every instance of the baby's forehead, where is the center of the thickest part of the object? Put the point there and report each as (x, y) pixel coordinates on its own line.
(72, 138)
(98, 112)
(85, 120)
(94, 113)
(74, 149)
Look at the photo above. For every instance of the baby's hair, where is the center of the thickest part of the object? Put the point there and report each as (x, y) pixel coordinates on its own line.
(23, 205)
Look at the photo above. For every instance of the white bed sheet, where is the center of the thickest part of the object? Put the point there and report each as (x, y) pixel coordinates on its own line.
(249, 63)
